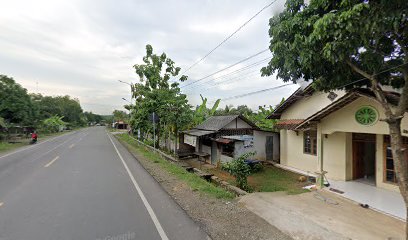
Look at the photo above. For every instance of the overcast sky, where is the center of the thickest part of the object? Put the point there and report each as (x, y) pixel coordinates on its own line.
(83, 47)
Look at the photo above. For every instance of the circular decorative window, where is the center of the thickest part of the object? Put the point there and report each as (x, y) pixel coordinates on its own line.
(366, 115)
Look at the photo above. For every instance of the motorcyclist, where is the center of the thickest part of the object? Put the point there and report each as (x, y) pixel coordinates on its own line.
(34, 137)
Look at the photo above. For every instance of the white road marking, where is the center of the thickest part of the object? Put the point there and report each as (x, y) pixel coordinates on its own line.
(1, 204)
(52, 161)
(34, 145)
(72, 145)
(52, 149)
(142, 196)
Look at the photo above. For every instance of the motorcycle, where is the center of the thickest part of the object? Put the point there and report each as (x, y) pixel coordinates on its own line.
(33, 141)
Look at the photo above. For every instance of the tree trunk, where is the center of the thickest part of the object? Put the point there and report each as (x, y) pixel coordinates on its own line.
(400, 162)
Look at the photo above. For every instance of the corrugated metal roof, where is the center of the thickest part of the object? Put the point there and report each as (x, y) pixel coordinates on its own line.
(198, 133)
(216, 123)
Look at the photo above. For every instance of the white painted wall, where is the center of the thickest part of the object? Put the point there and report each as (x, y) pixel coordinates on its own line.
(309, 105)
(225, 159)
(337, 147)
(343, 120)
(239, 148)
(238, 123)
(260, 141)
(334, 155)
(291, 148)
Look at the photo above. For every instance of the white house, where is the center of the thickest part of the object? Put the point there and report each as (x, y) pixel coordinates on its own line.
(339, 132)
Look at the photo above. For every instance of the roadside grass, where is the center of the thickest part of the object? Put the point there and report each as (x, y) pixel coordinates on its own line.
(269, 179)
(5, 146)
(193, 181)
(273, 179)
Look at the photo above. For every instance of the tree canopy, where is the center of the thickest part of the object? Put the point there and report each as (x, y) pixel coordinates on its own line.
(16, 106)
(156, 93)
(331, 42)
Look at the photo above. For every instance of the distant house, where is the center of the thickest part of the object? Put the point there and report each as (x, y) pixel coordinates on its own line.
(120, 125)
(222, 138)
(339, 132)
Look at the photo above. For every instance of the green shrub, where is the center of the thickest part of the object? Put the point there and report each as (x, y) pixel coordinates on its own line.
(240, 170)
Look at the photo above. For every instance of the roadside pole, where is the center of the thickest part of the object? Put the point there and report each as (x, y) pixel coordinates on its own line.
(154, 131)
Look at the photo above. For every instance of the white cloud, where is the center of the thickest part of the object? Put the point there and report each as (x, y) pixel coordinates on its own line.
(82, 47)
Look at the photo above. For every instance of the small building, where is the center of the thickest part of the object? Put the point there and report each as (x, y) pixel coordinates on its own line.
(120, 125)
(220, 138)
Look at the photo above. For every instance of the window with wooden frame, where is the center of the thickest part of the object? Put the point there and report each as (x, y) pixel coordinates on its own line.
(389, 169)
(310, 142)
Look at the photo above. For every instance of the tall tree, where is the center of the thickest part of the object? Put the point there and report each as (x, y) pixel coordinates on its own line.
(155, 93)
(16, 106)
(336, 43)
(48, 106)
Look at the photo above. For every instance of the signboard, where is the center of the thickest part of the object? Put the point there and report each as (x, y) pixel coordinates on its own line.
(190, 140)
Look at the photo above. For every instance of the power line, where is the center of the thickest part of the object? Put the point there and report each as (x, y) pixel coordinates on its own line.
(226, 39)
(230, 66)
(284, 85)
(256, 92)
(231, 73)
(232, 80)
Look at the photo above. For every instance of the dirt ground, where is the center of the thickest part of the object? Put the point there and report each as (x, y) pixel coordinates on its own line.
(309, 216)
(221, 219)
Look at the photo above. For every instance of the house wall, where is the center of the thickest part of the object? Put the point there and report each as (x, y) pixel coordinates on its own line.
(240, 148)
(337, 146)
(335, 155)
(309, 105)
(224, 158)
(237, 123)
(343, 120)
(291, 148)
(260, 145)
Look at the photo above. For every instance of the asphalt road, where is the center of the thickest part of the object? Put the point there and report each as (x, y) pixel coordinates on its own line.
(85, 185)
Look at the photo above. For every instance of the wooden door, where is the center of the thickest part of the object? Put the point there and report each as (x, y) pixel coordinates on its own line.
(358, 160)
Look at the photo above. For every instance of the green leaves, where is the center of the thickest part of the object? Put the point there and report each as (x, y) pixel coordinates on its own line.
(315, 41)
(53, 124)
(15, 103)
(157, 94)
(240, 170)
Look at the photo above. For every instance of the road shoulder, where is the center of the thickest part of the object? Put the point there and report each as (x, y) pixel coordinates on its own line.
(221, 219)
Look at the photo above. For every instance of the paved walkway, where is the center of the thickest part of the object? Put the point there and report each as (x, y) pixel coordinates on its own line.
(386, 201)
(307, 216)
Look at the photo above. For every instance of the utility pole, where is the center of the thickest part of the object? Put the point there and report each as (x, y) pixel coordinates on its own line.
(154, 130)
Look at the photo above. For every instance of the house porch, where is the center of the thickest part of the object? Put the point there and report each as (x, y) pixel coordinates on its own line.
(383, 200)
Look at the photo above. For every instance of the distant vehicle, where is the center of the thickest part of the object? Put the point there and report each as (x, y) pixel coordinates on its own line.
(98, 124)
